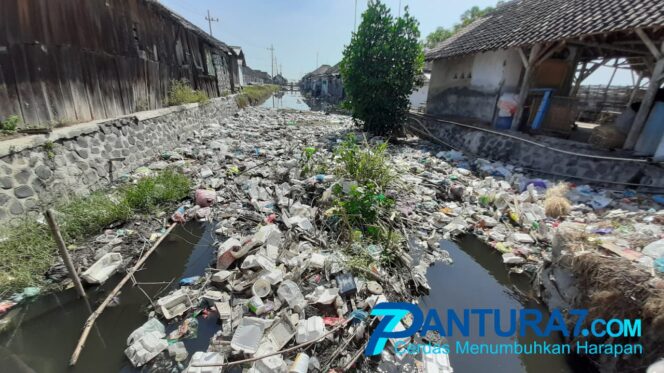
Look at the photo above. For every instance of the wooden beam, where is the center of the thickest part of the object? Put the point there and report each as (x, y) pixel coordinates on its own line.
(646, 105)
(651, 46)
(524, 59)
(525, 85)
(610, 47)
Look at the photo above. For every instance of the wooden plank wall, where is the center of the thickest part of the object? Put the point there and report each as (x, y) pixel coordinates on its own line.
(69, 61)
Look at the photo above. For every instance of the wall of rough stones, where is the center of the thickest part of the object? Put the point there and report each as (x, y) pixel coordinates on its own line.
(541, 159)
(39, 169)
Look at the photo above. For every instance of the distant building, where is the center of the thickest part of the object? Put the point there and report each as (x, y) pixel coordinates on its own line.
(279, 80)
(113, 58)
(324, 83)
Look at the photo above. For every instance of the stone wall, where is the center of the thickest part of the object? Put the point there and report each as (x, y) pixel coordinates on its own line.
(544, 160)
(39, 169)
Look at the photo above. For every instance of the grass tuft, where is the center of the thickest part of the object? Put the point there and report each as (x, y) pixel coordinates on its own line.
(180, 92)
(255, 94)
(150, 192)
(28, 250)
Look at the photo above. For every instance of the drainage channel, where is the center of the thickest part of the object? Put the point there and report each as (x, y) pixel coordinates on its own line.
(478, 279)
(45, 331)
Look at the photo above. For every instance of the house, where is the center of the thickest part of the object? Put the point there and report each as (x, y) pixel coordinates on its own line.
(69, 61)
(241, 63)
(325, 83)
(311, 83)
(253, 77)
(279, 80)
(532, 56)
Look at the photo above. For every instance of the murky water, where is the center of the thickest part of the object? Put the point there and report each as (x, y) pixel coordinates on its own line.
(50, 326)
(478, 279)
(286, 100)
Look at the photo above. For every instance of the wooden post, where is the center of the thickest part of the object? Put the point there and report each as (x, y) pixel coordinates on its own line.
(525, 86)
(93, 317)
(646, 105)
(637, 87)
(62, 248)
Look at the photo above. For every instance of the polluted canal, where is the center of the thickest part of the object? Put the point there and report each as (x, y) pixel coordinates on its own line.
(36, 345)
(479, 280)
(286, 100)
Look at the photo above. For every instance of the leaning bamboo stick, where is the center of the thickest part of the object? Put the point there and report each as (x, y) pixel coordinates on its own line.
(93, 317)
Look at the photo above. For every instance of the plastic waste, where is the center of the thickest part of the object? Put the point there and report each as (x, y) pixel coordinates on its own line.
(175, 304)
(146, 348)
(323, 295)
(300, 364)
(270, 364)
(205, 197)
(290, 292)
(247, 336)
(281, 332)
(655, 249)
(346, 284)
(310, 329)
(510, 258)
(189, 281)
(102, 269)
(152, 325)
(261, 288)
(203, 359)
(178, 351)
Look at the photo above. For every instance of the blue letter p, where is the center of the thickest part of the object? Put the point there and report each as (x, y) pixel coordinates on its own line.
(392, 314)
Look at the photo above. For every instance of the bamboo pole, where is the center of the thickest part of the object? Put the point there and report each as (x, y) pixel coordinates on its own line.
(93, 317)
(64, 254)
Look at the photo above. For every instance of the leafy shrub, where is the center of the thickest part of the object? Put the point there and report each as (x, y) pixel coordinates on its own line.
(381, 67)
(366, 164)
(180, 92)
(10, 124)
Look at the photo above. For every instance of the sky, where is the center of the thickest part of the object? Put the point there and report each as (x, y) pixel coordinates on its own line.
(308, 33)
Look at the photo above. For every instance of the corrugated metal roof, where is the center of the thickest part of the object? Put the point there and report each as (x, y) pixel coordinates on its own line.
(521, 23)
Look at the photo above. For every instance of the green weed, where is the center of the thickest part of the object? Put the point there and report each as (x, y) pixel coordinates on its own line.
(364, 164)
(180, 92)
(255, 94)
(10, 124)
(150, 192)
(27, 249)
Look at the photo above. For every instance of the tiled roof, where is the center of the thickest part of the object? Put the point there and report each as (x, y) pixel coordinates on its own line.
(521, 23)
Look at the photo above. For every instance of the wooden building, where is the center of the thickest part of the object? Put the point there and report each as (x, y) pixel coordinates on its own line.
(539, 52)
(69, 61)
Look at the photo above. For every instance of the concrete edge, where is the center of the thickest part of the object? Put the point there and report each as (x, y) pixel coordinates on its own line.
(16, 145)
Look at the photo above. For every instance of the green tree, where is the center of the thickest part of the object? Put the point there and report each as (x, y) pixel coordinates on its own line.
(437, 36)
(467, 17)
(381, 67)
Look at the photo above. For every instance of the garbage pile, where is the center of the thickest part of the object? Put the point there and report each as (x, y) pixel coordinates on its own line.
(283, 288)
(292, 293)
(519, 215)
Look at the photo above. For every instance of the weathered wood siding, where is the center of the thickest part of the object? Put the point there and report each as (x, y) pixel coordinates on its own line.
(67, 61)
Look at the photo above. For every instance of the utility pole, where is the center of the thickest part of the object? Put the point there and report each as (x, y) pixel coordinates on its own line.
(355, 21)
(271, 49)
(316, 59)
(399, 8)
(210, 20)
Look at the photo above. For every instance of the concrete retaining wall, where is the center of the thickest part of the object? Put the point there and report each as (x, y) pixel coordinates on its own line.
(36, 170)
(547, 161)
